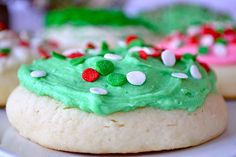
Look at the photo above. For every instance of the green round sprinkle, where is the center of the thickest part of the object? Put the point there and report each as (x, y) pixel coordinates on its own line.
(136, 42)
(57, 55)
(221, 41)
(188, 56)
(104, 67)
(5, 50)
(116, 79)
(77, 61)
(203, 50)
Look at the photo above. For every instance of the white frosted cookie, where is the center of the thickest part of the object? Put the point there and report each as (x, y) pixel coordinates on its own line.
(45, 121)
(123, 100)
(14, 51)
(78, 37)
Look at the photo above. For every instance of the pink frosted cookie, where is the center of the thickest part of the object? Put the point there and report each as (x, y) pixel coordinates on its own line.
(214, 45)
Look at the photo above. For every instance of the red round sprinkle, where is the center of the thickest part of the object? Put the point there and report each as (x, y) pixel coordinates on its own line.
(229, 31)
(211, 31)
(3, 55)
(75, 55)
(178, 56)
(43, 53)
(90, 45)
(90, 75)
(205, 66)
(233, 41)
(142, 54)
(193, 40)
(24, 43)
(130, 38)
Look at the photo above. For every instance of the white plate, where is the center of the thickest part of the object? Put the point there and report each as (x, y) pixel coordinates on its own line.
(13, 145)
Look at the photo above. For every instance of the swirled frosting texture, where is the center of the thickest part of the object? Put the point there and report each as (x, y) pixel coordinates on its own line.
(64, 83)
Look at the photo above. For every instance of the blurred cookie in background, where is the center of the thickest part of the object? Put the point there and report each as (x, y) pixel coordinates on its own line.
(74, 27)
(179, 16)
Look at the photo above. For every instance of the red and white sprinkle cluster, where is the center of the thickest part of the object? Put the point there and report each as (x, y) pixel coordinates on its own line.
(105, 67)
(215, 38)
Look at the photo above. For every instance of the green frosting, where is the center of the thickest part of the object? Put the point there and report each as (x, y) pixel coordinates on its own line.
(180, 16)
(64, 83)
(90, 16)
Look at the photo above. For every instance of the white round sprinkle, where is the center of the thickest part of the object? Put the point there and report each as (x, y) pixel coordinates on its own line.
(193, 30)
(220, 50)
(111, 56)
(99, 91)
(168, 58)
(136, 77)
(180, 75)
(38, 73)
(176, 43)
(122, 44)
(207, 40)
(195, 72)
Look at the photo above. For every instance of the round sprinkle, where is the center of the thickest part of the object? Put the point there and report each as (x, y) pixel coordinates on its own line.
(116, 79)
(189, 56)
(180, 75)
(221, 41)
(168, 58)
(203, 50)
(111, 56)
(195, 72)
(207, 40)
(220, 50)
(104, 67)
(5, 51)
(122, 44)
(193, 30)
(90, 75)
(176, 43)
(136, 77)
(38, 73)
(99, 91)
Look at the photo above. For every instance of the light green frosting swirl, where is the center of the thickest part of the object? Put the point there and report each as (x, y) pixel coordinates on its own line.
(160, 90)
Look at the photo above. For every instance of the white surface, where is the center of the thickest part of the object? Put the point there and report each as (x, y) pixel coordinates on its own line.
(224, 146)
